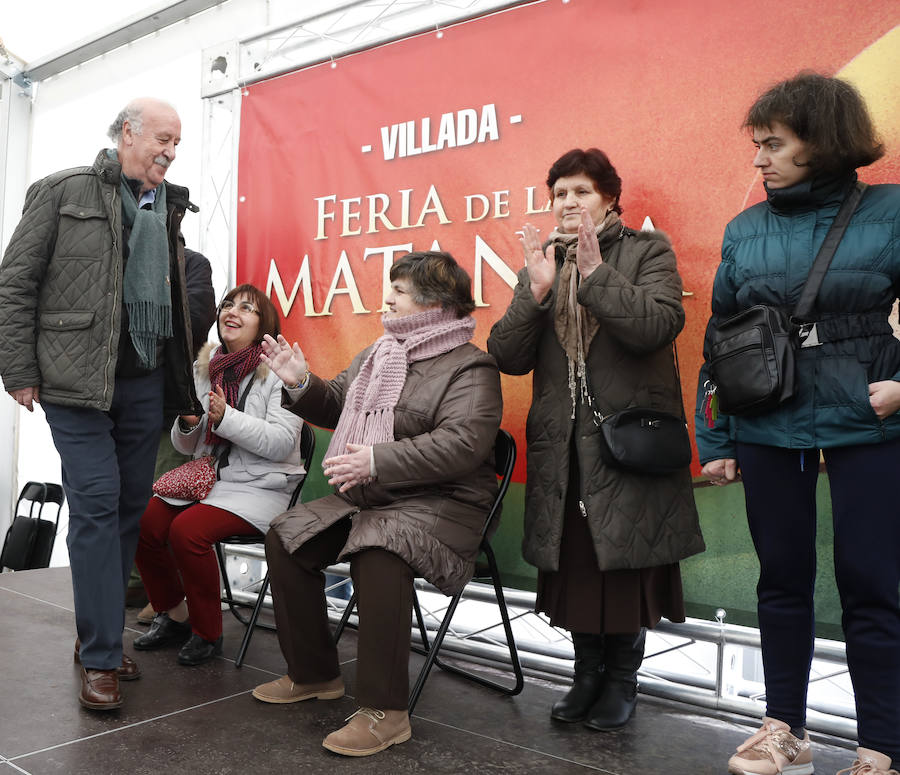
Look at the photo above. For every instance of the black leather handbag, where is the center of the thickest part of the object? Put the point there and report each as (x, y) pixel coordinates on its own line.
(751, 354)
(645, 440)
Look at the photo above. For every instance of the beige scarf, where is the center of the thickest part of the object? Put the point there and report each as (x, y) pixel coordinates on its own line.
(575, 326)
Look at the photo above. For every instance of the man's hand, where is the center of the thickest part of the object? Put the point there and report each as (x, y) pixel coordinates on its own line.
(26, 397)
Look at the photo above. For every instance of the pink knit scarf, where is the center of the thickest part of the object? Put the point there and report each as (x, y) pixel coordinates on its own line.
(368, 413)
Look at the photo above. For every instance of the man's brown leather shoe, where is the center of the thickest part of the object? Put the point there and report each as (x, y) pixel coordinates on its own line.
(100, 689)
(127, 671)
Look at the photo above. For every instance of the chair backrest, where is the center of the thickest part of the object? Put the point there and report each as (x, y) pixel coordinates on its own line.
(29, 540)
(504, 463)
(307, 450)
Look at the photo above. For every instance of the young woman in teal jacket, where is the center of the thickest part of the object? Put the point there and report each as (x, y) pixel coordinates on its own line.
(812, 133)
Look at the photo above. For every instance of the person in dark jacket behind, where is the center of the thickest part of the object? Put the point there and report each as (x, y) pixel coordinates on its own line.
(811, 133)
(94, 324)
(201, 298)
(415, 418)
(594, 315)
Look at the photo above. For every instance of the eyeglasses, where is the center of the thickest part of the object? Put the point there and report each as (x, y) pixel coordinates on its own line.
(245, 307)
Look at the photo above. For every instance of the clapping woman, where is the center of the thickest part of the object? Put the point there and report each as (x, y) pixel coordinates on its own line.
(257, 447)
(593, 316)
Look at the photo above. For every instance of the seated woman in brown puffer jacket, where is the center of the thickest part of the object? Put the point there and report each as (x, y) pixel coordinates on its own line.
(415, 418)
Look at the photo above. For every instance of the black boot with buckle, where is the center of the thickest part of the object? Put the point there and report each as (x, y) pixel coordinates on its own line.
(587, 683)
(623, 657)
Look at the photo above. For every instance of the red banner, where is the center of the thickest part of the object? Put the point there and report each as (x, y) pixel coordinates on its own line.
(446, 141)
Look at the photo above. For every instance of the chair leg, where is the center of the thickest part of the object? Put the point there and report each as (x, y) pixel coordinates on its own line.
(423, 630)
(252, 622)
(431, 656)
(345, 617)
(227, 597)
(510, 640)
(431, 649)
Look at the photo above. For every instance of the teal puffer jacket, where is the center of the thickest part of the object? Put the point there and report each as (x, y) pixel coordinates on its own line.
(767, 253)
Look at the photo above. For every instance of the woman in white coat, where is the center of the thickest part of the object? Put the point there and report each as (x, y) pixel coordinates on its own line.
(257, 447)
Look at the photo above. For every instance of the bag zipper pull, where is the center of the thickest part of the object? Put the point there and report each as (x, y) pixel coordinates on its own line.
(583, 509)
(710, 404)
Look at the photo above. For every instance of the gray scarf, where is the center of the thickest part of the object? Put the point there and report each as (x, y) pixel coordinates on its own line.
(575, 326)
(147, 290)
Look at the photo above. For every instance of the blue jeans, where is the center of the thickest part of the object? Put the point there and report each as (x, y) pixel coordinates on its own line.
(781, 509)
(107, 472)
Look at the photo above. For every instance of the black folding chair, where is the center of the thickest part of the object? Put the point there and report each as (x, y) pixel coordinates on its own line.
(307, 449)
(504, 462)
(30, 538)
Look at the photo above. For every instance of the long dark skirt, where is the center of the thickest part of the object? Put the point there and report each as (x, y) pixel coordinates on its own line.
(581, 598)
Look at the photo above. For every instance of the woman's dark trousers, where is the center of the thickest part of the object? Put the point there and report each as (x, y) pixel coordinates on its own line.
(384, 583)
(780, 488)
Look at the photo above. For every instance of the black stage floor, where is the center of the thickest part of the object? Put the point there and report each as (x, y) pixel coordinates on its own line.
(201, 720)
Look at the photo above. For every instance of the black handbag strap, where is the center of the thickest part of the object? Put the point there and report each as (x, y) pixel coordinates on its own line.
(222, 457)
(598, 418)
(678, 381)
(804, 308)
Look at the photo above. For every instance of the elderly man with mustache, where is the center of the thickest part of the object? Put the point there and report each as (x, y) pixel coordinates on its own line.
(94, 324)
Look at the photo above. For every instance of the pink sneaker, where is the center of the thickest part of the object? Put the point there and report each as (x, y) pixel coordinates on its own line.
(869, 762)
(773, 750)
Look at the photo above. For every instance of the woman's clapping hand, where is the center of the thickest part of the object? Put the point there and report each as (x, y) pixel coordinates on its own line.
(287, 361)
(216, 406)
(541, 265)
(588, 256)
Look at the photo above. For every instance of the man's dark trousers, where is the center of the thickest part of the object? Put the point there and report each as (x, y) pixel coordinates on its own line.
(107, 471)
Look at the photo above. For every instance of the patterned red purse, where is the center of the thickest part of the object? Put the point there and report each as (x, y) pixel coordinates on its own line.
(191, 481)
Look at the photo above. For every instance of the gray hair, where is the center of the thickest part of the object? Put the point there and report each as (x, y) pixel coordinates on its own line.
(133, 114)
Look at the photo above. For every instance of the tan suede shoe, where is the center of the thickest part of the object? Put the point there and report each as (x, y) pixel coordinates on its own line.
(370, 731)
(146, 614)
(285, 690)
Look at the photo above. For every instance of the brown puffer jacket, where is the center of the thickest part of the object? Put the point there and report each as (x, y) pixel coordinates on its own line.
(61, 292)
(436, 481)
(636, 520)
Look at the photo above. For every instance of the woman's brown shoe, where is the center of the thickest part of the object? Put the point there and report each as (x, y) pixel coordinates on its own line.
(370, 731)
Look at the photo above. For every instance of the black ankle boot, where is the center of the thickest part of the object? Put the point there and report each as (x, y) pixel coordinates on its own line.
(624, 654)
(588, 682)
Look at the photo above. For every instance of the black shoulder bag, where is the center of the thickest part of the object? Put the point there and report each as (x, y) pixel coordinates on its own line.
(645, 440)
(751, 354)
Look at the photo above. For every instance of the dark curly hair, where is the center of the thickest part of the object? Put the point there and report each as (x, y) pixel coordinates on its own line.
(436, 279)
(826, 113)
(593, 163)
